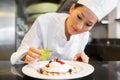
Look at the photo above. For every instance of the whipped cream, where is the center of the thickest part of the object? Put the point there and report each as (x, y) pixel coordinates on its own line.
(58, 67)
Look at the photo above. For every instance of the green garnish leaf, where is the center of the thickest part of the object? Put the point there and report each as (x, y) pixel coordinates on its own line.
(46, 54)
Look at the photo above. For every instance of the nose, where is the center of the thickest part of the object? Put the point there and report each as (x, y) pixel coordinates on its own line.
(79, 26)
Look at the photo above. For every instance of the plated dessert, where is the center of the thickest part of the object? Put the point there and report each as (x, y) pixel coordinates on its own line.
(57, 67)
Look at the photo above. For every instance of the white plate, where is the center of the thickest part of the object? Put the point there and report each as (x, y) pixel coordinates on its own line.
(84, 70)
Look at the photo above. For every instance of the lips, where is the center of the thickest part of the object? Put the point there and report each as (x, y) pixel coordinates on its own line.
(74, 29)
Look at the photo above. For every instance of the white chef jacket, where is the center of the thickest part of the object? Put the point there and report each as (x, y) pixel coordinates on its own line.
(48, 31)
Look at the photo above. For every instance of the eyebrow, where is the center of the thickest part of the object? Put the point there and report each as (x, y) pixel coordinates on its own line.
(84, 16)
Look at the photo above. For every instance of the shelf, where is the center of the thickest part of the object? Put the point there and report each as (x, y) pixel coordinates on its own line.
(117, 19)
(104, 21)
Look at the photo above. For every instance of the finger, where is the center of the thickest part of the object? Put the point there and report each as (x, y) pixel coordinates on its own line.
(81, 57)
(35, 50)
(33, 55)
(86, 61)
(75, 58)
(29, 59)
(85, 58)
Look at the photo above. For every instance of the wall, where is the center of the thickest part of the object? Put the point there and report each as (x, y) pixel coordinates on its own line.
(7, 29)
(99, 31)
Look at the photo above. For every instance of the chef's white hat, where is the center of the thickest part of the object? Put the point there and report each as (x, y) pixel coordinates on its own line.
(99, 7)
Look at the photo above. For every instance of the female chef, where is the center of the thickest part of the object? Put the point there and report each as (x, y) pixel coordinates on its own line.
(65, 34)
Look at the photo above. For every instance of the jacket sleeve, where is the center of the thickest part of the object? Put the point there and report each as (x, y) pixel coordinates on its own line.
(32, 38)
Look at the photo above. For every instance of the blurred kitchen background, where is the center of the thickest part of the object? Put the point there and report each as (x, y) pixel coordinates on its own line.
(17, 16)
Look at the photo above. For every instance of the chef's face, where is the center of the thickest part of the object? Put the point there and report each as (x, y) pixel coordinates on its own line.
(81, 19)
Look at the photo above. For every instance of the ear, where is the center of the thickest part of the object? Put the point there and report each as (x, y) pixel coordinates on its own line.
(72, 8)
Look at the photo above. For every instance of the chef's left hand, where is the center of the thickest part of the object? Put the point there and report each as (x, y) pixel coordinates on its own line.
(81, 57)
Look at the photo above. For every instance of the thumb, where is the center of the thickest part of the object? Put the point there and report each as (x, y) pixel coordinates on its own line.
(75, 58)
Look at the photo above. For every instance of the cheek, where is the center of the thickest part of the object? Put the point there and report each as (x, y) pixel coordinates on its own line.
(84, 29)
(73, 19)
(87, 29)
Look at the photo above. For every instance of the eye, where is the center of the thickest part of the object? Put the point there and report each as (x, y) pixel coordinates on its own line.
(88, 24)
(79, 17)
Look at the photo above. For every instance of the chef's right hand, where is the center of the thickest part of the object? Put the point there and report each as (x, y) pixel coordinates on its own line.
(32, 55)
